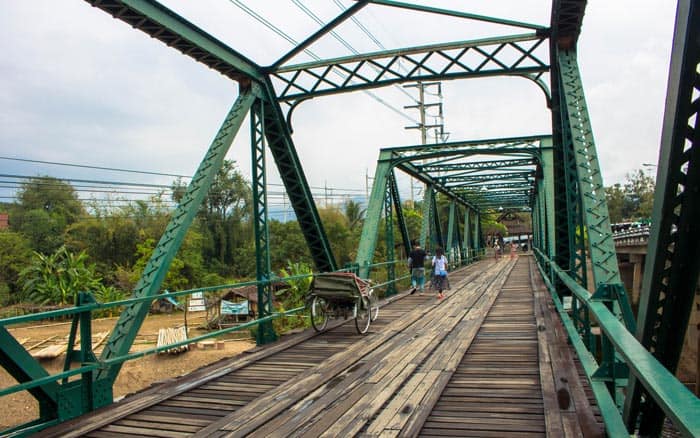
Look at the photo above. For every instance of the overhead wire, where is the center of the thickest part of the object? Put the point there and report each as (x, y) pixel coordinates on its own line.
(294, 42)
(342, 40)
(146, 172)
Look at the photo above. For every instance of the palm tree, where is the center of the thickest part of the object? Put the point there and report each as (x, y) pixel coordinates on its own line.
(354, 213)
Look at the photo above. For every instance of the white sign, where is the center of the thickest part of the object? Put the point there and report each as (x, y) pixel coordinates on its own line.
(197, 302)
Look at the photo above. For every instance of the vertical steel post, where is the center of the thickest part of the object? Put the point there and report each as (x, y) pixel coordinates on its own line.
(673, 259)
(266, 332)
(425, 231)
(467, 236)
(437, 237)
(398, 208)
(389, 238)
(477, 233)
(450, 231)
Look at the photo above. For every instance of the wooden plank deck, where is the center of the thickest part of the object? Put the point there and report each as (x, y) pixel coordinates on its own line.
(464, 366)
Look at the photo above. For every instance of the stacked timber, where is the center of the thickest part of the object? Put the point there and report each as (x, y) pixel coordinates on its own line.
(55, 350)
(169, 336)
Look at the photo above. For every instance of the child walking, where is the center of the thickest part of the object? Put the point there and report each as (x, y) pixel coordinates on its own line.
(439, 272)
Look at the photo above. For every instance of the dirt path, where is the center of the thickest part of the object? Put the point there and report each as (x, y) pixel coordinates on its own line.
(19, 408)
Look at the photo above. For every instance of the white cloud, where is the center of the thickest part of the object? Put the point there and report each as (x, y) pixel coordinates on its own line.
(82, 87)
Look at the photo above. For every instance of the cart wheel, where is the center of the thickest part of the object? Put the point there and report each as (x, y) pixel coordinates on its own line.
(362, 315)
(373, 305)
(319, 314)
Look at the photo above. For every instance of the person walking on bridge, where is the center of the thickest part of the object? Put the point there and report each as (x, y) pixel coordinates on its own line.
(416, 264)
(439, 272)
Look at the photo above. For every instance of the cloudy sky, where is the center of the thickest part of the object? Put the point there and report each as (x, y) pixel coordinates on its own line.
(80, 87)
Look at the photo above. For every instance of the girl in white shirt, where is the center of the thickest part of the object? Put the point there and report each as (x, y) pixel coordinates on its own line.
(439, 272)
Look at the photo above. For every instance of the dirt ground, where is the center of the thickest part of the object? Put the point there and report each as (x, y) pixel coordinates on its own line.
(19, 408)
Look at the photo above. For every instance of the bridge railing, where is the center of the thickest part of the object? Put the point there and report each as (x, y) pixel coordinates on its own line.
(679, 404)
(85, 308)
(633, 236)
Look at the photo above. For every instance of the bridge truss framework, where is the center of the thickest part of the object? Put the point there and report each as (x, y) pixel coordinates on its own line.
(555, 177)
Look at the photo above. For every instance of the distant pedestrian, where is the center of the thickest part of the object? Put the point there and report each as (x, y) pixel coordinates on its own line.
(416, 264)
(439, 272)
(497, 250)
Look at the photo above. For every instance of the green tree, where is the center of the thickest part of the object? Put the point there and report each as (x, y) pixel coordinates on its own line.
(15, 255)
(287, 243)
(293, 295)
(336, 226)
(185, 271)
(355, 214)
(632, 201)
(224, 217)
(615, 197)
(47, 206)
(110, 241)
(639, 189)
(57, 278)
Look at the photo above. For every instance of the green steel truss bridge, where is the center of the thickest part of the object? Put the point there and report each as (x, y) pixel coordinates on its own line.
(628, 362)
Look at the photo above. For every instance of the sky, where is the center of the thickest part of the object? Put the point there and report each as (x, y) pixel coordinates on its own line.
(83, 88)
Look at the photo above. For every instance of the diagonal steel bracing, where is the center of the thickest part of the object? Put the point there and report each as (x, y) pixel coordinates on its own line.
(161, 23)
(511, 55)
(673, 258)
(153, 275)
(476, 165)
(292, 174)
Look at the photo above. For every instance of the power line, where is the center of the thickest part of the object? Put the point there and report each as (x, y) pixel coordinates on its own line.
(344, 42)
(85, 166)
(361, 26)
(291, 40)
(147, 172)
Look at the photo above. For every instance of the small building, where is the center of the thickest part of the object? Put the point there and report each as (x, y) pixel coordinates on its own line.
(235, 306)
(4, 221)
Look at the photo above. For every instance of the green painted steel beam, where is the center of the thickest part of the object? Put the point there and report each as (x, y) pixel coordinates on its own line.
(425, 231)
(161, 23)
(673, 255)
(512, 55)
(401, 221)
(451, 218)
(149, 284)
(486, 187)
(614, 426)
(373, 214)
(478, 165)
(567, 17)
(352, 10)
(437, 236)
(389, 235)
(548, 200)
(408, 168)
(590, 182)
(468, 238)
(24, 368)
(263, 268)
(675, 399)
(477, 233)
(527, 176)
(524, 144)
(293, 177)
(458, 14)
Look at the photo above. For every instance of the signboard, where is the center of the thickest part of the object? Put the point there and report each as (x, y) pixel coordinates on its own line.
(197, 303)
(229, 308)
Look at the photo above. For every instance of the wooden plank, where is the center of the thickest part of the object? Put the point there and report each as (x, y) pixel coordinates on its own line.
(264, 409)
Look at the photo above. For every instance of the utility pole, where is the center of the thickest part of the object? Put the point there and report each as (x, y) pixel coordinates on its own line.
(367, 180)
(421, 106)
